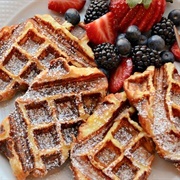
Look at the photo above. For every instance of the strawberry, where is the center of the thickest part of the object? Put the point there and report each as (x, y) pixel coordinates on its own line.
(123, 71)
(63, 5)
(102, 29)
(144, 14)
(176, 51)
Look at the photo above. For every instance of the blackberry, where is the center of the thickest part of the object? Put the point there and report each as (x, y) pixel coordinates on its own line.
(96, 9)
(165, 29)
(142, 57)
(106, 56)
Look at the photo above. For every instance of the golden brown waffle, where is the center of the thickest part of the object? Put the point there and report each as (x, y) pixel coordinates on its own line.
(36, 137)
(111, 145)
(156, 95)
(26, 49)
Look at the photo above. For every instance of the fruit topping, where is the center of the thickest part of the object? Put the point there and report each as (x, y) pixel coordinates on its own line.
(133, 33)
(143, 14)
(174, 16)
(126, 35)
(167, 56)
(72, 16)
(165, 29)
(106, 56)
(96, 9)
(62, 6)
(123, 46)
(123, 71)
(102, 29)
(176, 51)
(143, 56)
(156, 42)
(142, 40)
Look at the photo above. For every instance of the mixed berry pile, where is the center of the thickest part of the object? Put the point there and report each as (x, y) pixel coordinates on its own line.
(125, 36)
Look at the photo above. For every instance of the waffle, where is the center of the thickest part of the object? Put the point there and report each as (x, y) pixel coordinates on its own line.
(110, 145)
(26, 50)
(36, 137)
(156, 95)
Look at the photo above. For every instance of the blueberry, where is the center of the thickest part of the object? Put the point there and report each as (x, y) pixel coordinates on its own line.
(156, 42)
(133, 33)
(142, 40)
(123, 46)
(174, 16)
(167, 56)
(72, 16)
(120, 36)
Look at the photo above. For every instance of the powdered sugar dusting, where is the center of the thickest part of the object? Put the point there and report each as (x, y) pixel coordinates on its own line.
(52, 161)
(125, 172)
(106, 156)
(70, 88)
(47, 140)
(141, 155)
(3, 84)
(161, 123)
(46, 60)
(15, 65)
(31, 47)
(123, 136)
(19, 132)
(30, 77)
(175, 97)
(157, 107)
(170, 143)
(70, 132)
(67, 111)
(39, 115)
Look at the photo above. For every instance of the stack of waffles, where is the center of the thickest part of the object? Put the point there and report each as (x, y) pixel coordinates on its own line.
(111, 144)
(156, 95)
(26, 50)
(52, 59)
(66, 109)
(36, 137)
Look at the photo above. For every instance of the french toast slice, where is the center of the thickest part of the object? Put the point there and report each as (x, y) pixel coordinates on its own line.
(156, 95)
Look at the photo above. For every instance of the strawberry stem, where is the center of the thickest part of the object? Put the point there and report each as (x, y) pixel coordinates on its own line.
(133, 3)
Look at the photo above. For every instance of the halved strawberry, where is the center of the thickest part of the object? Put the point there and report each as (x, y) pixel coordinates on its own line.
(123, 71)
(102, 30)
(176, 51)
(63, 5)
(144, 14)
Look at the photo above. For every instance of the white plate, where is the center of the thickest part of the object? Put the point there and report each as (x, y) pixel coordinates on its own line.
(15, 11)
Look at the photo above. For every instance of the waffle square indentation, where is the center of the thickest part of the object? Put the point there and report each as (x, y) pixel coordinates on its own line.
(31, 42)
(69, 131)
(52, 161)
(67, 109)
(124, 132)
(15, 62)
(39, 113)
(30, 73)
(125, 170)
(90, 102)
(4, 80)
(47, 55)
(107, 154)
(47, 138)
